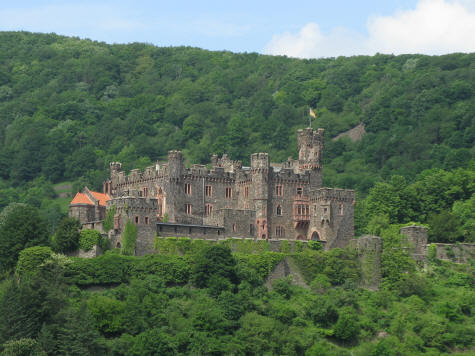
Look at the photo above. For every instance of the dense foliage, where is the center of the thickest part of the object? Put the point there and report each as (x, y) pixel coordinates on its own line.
(68, 107)
(151, 305)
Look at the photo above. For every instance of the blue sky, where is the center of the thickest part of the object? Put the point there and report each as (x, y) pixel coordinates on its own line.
(295, 28)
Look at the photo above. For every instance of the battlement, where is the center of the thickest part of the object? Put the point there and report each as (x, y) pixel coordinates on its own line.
(132, 203)
(322, 194)
(174, 154)
(260, 161)
(115, 166)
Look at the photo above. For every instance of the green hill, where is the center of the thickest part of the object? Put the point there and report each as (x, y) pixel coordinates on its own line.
(69, 106)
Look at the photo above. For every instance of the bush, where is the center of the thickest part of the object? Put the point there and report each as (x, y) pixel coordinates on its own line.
(347, 328)
(20, 226)
(315, 245)
(129, 238)
(88, 239)
(31, 258)
(214, 260)
(66, 238)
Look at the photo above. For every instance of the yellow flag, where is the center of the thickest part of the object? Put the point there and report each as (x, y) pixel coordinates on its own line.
(312, 113)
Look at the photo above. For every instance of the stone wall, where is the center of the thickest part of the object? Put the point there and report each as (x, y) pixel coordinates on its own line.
(458, 253)
(369, 250)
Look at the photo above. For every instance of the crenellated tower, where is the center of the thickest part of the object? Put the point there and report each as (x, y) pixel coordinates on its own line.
(260, 170)
(310, 144)
(176, 169)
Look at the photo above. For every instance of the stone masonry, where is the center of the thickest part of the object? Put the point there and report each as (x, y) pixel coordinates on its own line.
(264, 201)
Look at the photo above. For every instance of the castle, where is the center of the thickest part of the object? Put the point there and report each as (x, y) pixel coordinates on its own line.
(264, 201)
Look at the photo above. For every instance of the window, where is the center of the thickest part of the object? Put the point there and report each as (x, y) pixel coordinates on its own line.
(145, 191)
(229, 193)
(279, 231)
(208, 190)
(279, 210)
(246, 192)
(299, 191)
(278, 190)
(325, 210)
(307, 210)
(234, 227)
(146, 220)
(251, 229)
(208, 209)
(315, 210)
(188, 188)
(188, 209)
(340, 209)
(137, 220)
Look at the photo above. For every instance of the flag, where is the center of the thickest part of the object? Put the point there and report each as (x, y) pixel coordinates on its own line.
(312, 113)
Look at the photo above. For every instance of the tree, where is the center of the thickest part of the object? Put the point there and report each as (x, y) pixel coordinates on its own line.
(66, 238)
(129, 238)
(31, 258)
(347, 328)
(444, 227)
(214, 261)
(89, 238)
(20, 226)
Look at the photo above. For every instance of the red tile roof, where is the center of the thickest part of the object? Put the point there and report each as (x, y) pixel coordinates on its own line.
(82, 198)
(101, 197)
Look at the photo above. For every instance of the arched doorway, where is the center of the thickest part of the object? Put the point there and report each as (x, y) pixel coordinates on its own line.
(117, 245)
(315, 236)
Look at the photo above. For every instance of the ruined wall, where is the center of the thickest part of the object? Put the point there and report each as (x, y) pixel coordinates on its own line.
(458, 253)
(369, 250)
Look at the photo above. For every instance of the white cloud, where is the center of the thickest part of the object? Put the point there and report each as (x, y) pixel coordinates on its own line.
(433, 27)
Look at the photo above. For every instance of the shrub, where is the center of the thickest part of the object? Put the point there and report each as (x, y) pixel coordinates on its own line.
(214, 260)
(129, 238)
(31, 258)
(347, 328)
(88, 239)
(315, 245)
(108, 223)
(66, 238)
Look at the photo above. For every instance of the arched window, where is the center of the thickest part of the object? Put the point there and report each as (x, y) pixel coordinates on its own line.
(279, 210)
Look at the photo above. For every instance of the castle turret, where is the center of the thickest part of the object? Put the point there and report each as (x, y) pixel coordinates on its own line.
(176, 169)
(310, 143)
(111, 184)
(260, 170)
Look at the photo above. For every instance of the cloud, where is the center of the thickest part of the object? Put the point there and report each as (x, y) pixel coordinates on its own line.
(433, 27)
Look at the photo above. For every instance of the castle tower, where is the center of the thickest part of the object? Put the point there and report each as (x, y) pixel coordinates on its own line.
(332, 216)
(310, 144)
(175, 202)
(111, 184)
(260, 170)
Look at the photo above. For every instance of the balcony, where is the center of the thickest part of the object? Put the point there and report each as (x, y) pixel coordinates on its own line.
(301, 212)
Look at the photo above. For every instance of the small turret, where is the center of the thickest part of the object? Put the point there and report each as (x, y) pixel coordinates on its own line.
(175, 164)
(310, 143)
(260, 161)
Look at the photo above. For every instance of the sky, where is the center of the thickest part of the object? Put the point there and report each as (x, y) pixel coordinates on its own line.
(299, 28)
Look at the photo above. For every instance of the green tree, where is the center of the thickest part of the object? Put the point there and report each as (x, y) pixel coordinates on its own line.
(31, 258)
(347, 327)
(213, 261)
(129, 238)
(66, 237)
(20, 226)
(89, 238)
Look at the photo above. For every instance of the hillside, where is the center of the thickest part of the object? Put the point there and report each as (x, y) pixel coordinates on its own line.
(68, 107)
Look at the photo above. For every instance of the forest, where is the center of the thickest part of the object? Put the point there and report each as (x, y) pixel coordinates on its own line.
(69, 106)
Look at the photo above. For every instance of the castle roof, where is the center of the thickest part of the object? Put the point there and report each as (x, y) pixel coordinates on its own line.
(84, 198)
